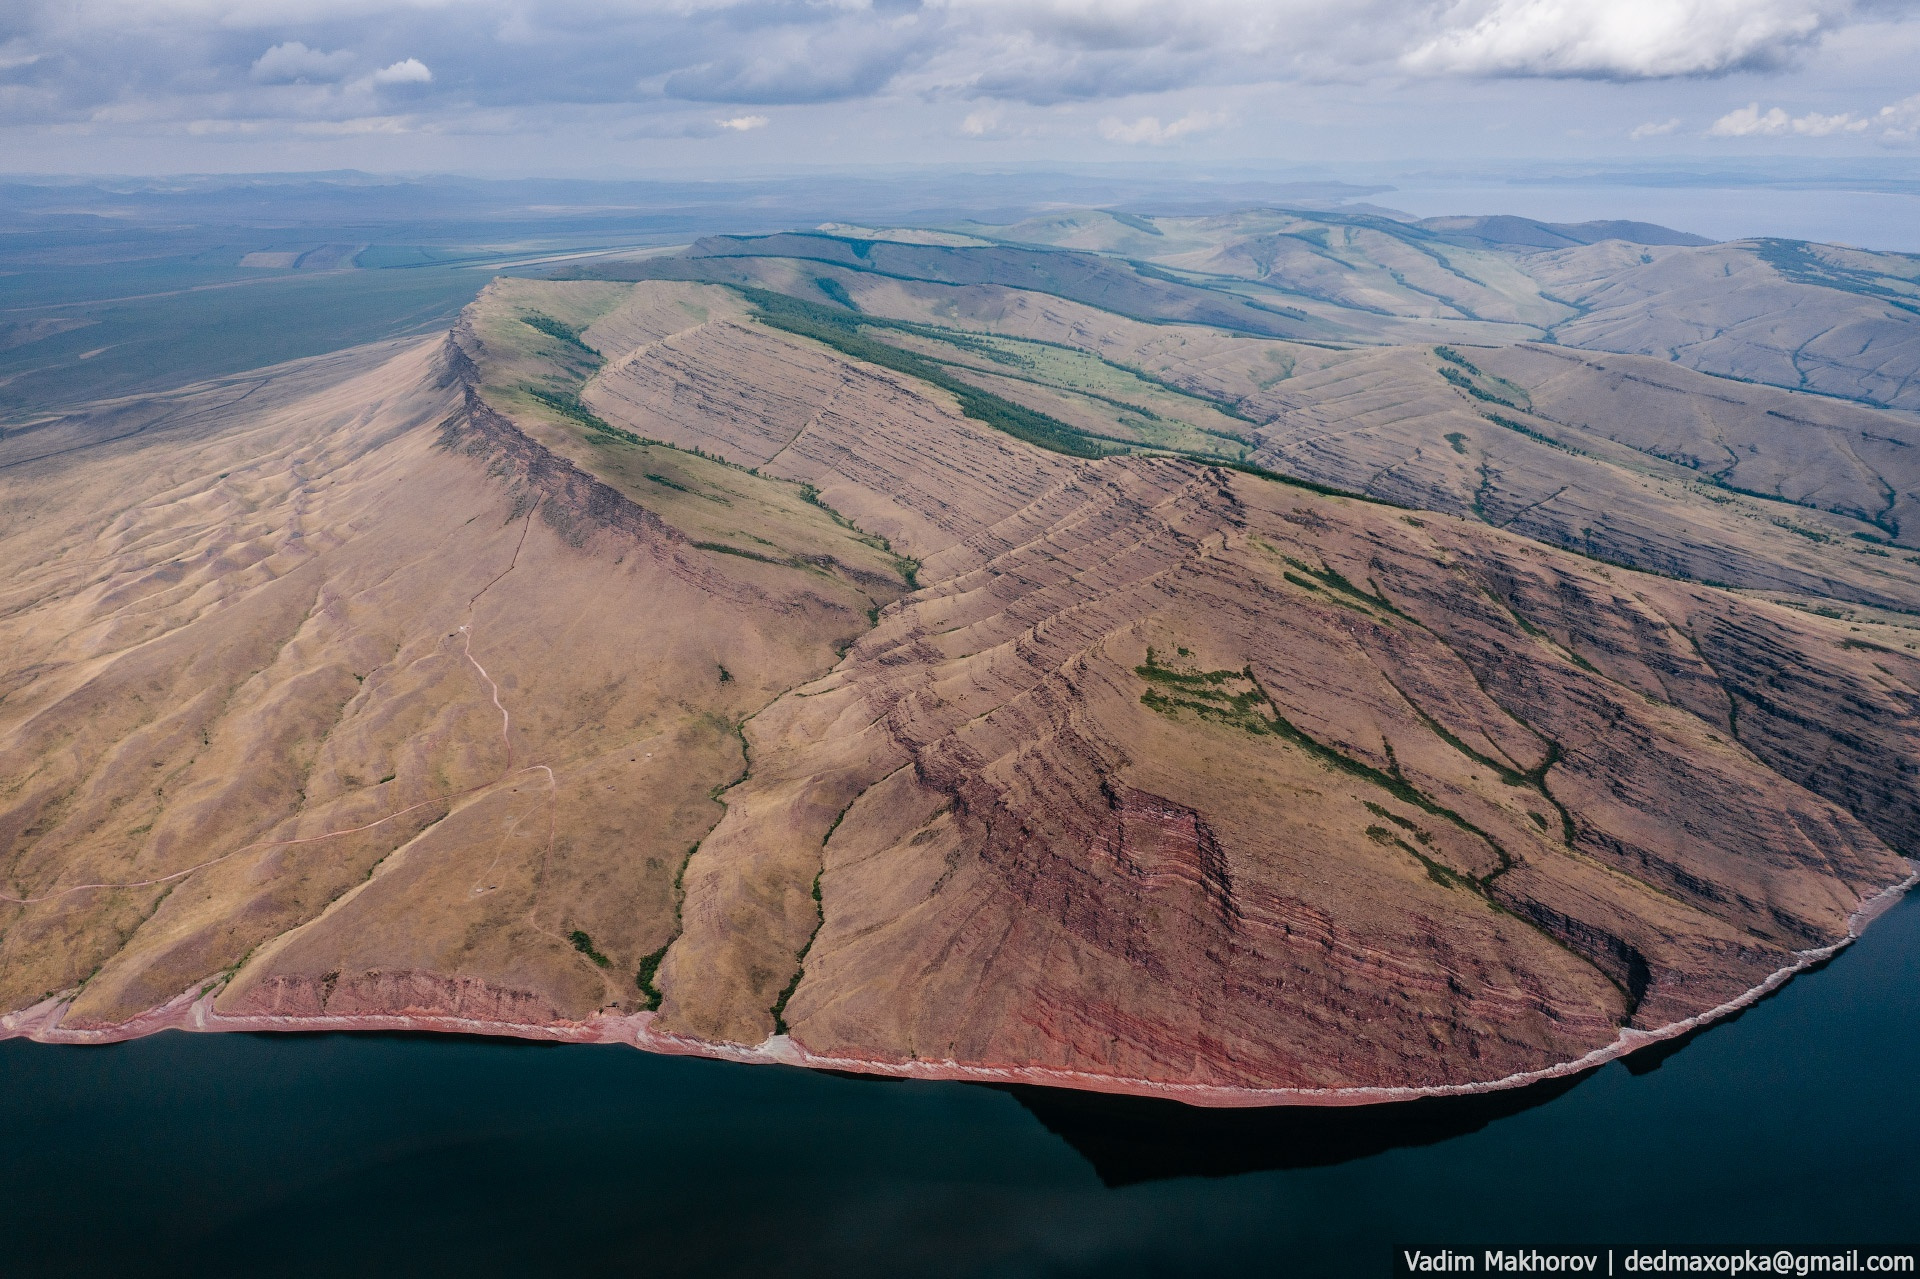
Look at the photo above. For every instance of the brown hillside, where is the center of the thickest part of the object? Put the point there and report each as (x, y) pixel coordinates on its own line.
(632, 666)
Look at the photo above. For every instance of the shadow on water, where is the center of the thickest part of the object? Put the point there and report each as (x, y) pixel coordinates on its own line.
(1649, 1059)
(1130, 1140)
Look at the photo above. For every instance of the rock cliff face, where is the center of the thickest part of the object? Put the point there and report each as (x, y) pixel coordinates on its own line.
(899, 736)
(1156, 787)
(398, 994)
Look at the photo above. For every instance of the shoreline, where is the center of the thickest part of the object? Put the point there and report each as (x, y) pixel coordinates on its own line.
(193, 1011)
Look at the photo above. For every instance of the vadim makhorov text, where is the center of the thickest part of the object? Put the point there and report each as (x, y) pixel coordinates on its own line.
(1636, 1261)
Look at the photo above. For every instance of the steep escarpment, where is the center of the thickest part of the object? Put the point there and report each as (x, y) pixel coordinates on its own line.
(380, 680)
(646, 663)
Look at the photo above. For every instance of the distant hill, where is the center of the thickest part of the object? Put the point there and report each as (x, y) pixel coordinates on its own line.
(1507, 230)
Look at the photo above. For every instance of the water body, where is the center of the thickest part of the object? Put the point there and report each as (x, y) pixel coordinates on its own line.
(1795, 1125)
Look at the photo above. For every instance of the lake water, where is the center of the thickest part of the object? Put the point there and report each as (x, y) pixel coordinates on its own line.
(1795, 1125)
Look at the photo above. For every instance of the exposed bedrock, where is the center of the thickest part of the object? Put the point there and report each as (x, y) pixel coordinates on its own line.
(395, 704)
(403, 993)
(1191, 777)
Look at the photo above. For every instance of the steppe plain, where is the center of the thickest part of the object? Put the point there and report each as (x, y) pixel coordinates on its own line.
(1286, 656)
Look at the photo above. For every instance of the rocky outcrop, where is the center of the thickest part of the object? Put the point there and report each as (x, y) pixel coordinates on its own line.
(397, 994)
(1253, 858)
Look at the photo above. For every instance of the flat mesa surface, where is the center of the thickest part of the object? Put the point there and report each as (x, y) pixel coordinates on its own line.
(1193, 669)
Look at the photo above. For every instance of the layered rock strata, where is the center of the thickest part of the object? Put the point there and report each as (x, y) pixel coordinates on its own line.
(1166, 777)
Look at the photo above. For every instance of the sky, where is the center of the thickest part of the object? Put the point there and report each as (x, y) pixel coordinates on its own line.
(557, 88)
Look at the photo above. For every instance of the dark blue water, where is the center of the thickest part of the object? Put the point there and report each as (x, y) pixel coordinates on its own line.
(1796, 1125)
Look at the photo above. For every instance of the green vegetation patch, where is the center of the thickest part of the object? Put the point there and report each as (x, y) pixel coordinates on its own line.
(1229, 698)
(1445, 876)
(1236, 699)
(841, 331)
(1337, 581)
(1137, 223)
(649, 968)
(1477, 382)
(1796, 260)
(568, 405)
(1294, 481)
(559, 329)
(835, 290)
(584, 944)
(1523, 429)
(779, 1009)
(1468, 385)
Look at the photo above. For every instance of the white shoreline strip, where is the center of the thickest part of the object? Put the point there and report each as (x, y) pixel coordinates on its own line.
(193, 1010)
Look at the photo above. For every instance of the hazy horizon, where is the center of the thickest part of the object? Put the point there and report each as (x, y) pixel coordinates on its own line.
(1868, 202)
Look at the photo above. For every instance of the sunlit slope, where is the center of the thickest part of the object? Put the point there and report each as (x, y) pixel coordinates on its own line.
(904, 666)
(377, 655)
(534, 349)
(1003, 790)
(1631, 460)
(1809, 450)
(1806, 316)
(1823, 318)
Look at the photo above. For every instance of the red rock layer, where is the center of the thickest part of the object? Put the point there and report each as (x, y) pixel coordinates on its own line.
(1509, 817)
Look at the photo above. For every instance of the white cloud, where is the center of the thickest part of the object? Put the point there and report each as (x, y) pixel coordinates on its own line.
(359, 126)
(1148, 129)
(16, 53)
(742, 123)
(294, 63)
(1750, 122)
(681, 63)
(1901, 121)
(1623, 39)
(981, 124)
(406, 71)
(1815, 125)
(992, 124)
(1655, 129)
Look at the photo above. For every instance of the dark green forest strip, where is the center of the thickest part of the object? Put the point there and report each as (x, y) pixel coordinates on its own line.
(560, 331)
(840, 330)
